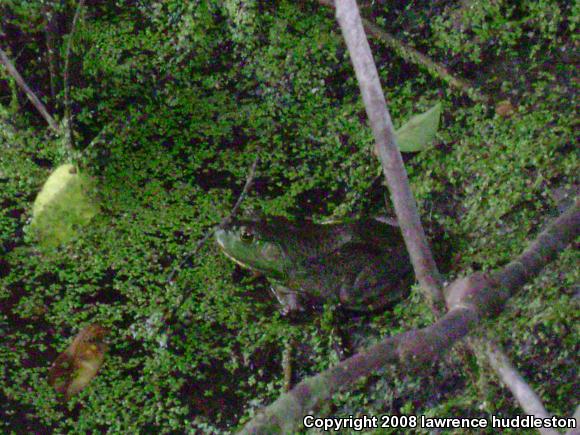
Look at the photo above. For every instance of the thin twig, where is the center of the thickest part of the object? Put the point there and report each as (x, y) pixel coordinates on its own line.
(29, 93)
(576, 416)
(287, 363)
(66, 79)
(198, 246)
(120, 124)
(51, 32)
(415, 57)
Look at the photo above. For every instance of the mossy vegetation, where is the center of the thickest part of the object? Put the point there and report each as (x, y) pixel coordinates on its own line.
(195, 91)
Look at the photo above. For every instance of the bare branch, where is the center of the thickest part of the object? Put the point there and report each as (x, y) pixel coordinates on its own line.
(287, 363)
(29, 93)
(423, 345)
(413, 349)
(51, 34)
(118, 126)
(486, 293)
(245, 190)
(388, 152)
(470, 299)
(577, 417)
(414, 56)
(67, 103)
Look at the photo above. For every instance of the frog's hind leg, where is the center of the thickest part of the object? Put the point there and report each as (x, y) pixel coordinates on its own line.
(376, 286)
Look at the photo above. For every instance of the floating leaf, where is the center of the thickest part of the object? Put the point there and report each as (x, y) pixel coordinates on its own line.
(419, 131)
(62, 206)
(79, 363)
(505, 109)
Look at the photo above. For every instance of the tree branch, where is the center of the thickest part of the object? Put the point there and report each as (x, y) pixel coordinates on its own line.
(51, 33)
(66, 79)
(119, 125)
(423, 343)
(222, 224)
(415, 57)
(29, 93)
(388, 152)
(470, 300)
(577, 417)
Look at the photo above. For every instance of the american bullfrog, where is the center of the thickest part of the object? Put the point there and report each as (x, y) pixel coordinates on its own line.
(362, 265)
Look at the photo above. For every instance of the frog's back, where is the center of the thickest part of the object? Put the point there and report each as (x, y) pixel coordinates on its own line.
(364, 264)
(319, 239)
(303, 240)
(376, 234)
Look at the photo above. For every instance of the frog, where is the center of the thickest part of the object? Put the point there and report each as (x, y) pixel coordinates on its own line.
(360, 265)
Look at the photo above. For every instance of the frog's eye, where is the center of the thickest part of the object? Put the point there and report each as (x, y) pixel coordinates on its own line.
(246, 235)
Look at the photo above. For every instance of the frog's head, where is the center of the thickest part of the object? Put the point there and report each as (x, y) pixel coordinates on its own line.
(256, 246)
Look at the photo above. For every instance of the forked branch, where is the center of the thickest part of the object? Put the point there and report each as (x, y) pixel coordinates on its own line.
(470, 300)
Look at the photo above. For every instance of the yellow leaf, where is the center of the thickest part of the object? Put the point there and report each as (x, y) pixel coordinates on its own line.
(62, 206)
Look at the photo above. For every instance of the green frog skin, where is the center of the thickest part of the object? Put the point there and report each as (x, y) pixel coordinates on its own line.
(362, 265)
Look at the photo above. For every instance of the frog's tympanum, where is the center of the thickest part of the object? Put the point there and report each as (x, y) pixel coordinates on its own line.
(362, 265)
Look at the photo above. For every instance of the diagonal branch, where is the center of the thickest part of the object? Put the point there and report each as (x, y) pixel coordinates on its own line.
(247, 186)
(66, 74)
(50, 13)
(414, 56)
(224, 222)
(469, 299)
(388, 152)
(525, 396)
(576, 416)
(29, 93)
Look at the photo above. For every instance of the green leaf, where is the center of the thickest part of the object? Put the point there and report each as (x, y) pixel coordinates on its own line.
(419, 131)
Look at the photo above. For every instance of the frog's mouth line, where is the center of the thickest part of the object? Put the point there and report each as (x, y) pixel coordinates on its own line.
(235, 260)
